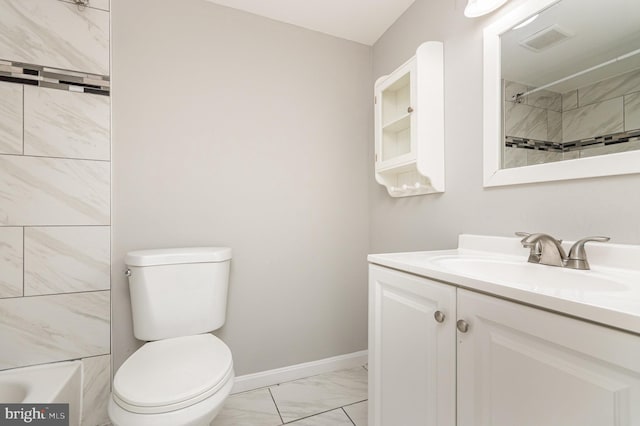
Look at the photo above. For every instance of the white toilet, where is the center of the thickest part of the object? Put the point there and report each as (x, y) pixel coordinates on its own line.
(183, 374)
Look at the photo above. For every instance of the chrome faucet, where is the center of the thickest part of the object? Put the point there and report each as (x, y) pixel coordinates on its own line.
(546, 250)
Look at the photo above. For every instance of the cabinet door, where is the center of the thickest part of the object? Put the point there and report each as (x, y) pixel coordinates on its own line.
(527, 367)
(411, 355)
(395, 123)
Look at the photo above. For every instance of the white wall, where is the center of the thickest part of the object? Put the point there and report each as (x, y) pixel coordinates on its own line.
(231, 129)
(568, 210)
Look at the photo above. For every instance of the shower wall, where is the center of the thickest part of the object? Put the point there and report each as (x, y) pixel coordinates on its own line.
(55, 191)
(601, 118)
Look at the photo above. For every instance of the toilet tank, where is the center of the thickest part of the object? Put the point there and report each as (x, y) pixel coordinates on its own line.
(178, 292)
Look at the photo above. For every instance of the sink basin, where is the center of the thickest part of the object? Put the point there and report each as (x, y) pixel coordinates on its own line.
(541, 278)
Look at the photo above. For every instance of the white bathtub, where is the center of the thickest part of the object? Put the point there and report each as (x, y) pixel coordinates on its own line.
(58, 383)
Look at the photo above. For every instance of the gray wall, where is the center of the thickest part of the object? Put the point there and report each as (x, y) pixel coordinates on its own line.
(231, 129)
(571, 209)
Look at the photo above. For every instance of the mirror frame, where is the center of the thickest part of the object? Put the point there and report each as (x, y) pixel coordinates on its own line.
(603, 165)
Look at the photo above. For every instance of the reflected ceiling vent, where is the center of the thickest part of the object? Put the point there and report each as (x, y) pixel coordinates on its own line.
(546, 38)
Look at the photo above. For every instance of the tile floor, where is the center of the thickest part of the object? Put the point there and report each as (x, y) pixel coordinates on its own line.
(331, 399)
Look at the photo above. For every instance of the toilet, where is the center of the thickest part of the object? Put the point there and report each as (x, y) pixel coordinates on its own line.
(183, 374)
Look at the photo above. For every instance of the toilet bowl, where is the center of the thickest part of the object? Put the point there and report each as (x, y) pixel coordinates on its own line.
(183, 374)
(179, 381)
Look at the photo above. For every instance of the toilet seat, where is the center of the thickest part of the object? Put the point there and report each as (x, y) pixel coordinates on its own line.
(171, 374)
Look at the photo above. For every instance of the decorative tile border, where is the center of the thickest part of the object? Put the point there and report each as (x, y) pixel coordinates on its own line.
(37, 75)
(599, 141)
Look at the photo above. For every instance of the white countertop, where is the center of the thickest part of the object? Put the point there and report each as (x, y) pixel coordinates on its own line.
(617, 307)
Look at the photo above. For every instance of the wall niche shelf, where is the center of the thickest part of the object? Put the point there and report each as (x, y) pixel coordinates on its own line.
(409, 125)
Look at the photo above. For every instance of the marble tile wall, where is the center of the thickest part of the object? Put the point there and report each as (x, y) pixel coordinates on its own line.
(604, 108)
(55, 180)
(538, 116)
(55, 34)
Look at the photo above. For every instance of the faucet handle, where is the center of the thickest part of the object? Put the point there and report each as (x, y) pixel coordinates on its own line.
(577, 258)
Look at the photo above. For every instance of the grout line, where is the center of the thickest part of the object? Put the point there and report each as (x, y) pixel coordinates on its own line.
(274, 403)
(347, 414)
(23, 259)
(54, 157)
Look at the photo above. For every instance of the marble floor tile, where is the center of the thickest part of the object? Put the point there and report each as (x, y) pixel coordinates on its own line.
(11, 261)
(10, 118)
(66, 259)
(358, 413)
(330, 418)
(253, 408)
(317, 394)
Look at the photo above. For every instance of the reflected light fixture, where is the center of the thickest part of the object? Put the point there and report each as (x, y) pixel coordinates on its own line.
(477, 8)
(527, 22)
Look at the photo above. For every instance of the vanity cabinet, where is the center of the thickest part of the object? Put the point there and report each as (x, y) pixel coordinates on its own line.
(412, 359)
(409, 125)
(511, 365)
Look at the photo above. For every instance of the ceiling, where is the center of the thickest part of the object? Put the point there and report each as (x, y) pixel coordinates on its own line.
(363, 21)
(600, 31)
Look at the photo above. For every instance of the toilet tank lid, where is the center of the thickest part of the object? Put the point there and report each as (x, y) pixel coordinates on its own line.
(174, 256)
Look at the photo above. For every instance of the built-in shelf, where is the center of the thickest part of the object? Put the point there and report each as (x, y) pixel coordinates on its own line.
(409, 125)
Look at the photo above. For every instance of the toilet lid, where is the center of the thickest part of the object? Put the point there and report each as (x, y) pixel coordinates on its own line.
(171, 372)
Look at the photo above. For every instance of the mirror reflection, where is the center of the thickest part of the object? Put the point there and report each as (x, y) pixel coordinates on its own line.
(571, 82)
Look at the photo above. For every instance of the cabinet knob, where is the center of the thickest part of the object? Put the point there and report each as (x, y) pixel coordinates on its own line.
(409, 110)
(439, 316)
(463, 326)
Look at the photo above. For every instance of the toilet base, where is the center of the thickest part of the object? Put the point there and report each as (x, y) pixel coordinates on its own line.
(199, 414)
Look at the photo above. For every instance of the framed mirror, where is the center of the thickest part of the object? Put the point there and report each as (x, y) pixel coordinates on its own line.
(562, 91)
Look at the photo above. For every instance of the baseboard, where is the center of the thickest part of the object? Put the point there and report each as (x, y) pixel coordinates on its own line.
(298, 371)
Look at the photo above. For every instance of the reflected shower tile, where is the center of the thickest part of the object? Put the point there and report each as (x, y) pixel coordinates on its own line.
(511, 89)
(66, 259)
(313, 395)
(570, 100)
(610, 149)
(571, 155)
(610, 88)
(593, 120)
(52, 191)
(11, 262)
(41, 329)
(358, 413)
(59, 123)
(10, 118)
(331, 418)
(545, 99)
(255, 408)
(554, 123)
(96, 390)
(542, 157)
(632, 112)
(514, 157)
(525, 121)
(55, 34)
